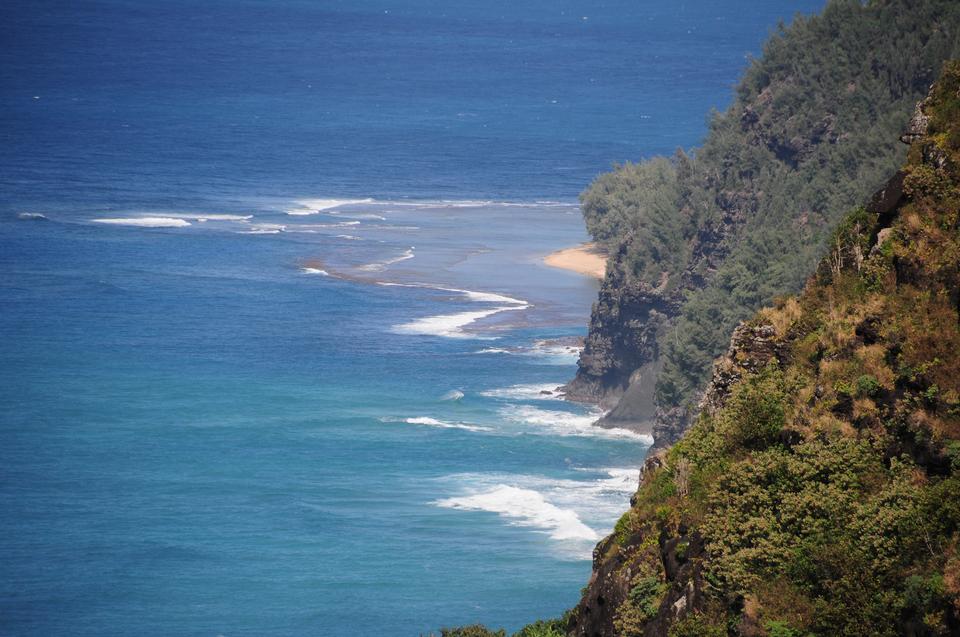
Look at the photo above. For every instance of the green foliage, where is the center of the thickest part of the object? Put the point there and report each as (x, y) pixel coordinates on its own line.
(696, 625)
(474, 630)
(638, 201)
(646, 595)
(782, 629)
(812, 132)
(868, 385)
(755, 411)
(544, 628)
(823, 484)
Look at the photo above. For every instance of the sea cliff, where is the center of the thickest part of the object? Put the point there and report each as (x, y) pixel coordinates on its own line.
(817, 492)
(700, 241)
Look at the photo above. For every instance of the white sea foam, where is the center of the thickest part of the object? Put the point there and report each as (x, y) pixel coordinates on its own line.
(313, 206)
(480, 297)
(525, 507)
(543, 353)
(319, 271)
(554, 353)
(440, 424)
(32, 215)
(207, 217)
(349, 237)
(563, 423)
(485, 297)
(542, 391)
(358, 215)
(145, 222)
(454, 395)
(476, 203)
(265, 228)
(573, 512)
(451, 325)
(382, 265)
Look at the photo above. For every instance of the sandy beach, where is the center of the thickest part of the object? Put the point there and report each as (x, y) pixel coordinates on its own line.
(587, 259)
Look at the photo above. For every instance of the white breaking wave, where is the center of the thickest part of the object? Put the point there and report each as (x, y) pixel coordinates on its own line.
(314, 206)
(32, 215)
(319, 271)
(485, 297)
(547, 391)
(546, 353)
(358, 215)
(480, 297)
(349, 237)
(477, 203)
(525, 507)
(563, 423)
(554, 353)
(453, 394)
(573, 512)
(265, 228)
(451, 325)
(145, 222)
(440, 424)
(382, 265)
(202, 217)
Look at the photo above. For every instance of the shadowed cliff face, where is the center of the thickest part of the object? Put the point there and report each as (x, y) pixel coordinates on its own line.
(624, 328)
(817, 492)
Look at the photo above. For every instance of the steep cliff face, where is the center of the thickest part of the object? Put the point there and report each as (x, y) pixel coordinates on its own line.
(624, 329)
(817, 493)
(811, 132)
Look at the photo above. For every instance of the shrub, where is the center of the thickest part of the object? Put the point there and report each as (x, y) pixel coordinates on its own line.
(868, 385)
(755, 412)
(544, 628)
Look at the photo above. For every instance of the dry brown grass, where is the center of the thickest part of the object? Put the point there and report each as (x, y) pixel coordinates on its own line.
(783, 316)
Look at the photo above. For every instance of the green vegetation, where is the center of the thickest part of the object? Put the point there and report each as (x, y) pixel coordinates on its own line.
(539, 628)
(744, 218)
(824, 479)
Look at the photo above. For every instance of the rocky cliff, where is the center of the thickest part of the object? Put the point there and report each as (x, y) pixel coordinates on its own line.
(810, 133)
(817, 493)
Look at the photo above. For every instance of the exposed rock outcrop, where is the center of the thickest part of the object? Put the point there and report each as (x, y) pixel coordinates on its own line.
(624, 326)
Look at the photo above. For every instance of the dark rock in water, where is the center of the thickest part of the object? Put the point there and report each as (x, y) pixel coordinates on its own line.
(544, 392)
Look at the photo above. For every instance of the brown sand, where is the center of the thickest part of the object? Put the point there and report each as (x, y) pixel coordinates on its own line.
(587, 259)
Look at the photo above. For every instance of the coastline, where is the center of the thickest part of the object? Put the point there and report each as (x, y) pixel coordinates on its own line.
(587, 259)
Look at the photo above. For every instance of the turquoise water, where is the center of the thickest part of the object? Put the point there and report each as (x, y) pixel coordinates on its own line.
(274, 329)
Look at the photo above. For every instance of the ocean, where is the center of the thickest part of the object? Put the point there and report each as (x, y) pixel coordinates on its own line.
(277, 349)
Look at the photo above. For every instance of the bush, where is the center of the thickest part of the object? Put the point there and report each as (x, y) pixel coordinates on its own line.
(868, 385)
(544, 628)
(755, 412)
(474, 630)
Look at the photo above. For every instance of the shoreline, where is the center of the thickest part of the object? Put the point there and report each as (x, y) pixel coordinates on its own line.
(587, 259)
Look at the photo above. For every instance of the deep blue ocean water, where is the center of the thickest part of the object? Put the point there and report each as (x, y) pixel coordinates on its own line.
(274, 329)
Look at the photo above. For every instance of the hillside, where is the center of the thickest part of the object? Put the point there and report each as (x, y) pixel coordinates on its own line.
(699, 241)
(818, 491)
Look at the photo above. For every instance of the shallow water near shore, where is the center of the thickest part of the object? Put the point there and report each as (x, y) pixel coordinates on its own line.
(277, 347)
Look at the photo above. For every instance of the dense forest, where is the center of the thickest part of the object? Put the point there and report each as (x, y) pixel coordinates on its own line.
(708, 236)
